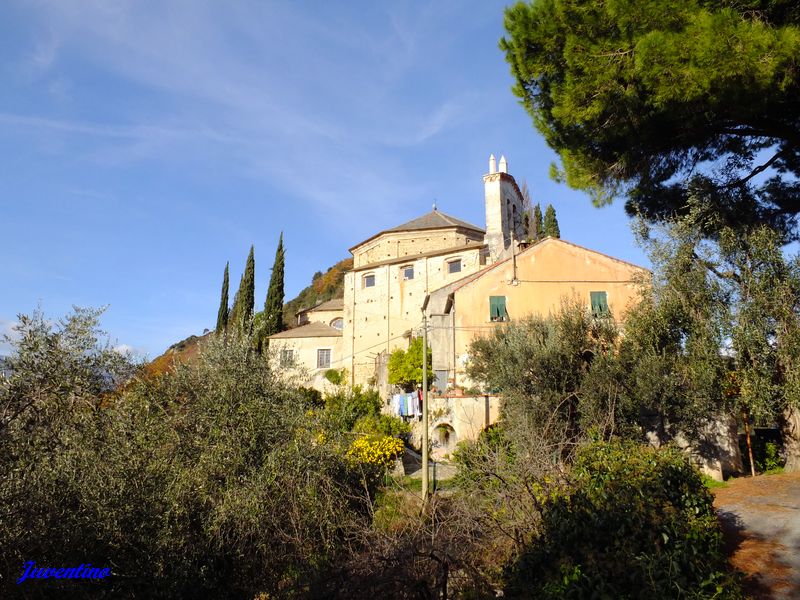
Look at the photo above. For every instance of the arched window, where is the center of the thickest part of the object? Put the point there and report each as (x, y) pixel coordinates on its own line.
(338, 323)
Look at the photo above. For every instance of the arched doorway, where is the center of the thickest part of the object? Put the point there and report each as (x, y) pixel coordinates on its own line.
(444, 440)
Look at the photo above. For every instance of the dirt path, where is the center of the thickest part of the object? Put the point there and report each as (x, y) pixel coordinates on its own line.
(761, 521)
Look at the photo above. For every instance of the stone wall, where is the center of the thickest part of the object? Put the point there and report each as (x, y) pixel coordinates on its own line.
(305, 358)
(504, 214)
(453, 419)
(400, 244)
(385, 316)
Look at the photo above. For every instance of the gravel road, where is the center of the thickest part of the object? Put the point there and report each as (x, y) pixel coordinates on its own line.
(761, 521)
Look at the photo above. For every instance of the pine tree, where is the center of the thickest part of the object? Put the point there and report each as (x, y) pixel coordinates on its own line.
(630, 114)
(537, 227)
(222, 314)
(551, 222)
(273, 305)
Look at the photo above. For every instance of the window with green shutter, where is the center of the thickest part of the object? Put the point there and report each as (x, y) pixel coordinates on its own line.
(497, 308)
(599, 302)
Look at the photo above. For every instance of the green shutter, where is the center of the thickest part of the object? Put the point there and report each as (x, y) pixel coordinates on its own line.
(497, 308)
(599, 301)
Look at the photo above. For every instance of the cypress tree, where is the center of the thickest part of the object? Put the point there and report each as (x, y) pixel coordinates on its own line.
(241, 315)
(247, 293)
(273, 305)
(551, 222)
(222, 314)
(537, 227)
(233, 316)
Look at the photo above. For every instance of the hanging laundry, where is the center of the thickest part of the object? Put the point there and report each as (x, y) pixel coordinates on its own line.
(412, 400)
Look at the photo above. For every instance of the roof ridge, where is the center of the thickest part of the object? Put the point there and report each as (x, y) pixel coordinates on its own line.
(434, 219)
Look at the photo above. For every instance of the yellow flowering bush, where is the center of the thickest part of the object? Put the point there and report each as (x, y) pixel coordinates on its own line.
(375, 450)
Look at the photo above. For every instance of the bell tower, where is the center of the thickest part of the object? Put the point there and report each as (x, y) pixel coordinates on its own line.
(504, 206)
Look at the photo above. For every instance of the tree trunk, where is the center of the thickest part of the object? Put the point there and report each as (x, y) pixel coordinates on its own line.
(749, 443)
(790, 429)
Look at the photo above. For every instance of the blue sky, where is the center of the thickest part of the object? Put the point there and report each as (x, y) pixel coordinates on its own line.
(146, 143)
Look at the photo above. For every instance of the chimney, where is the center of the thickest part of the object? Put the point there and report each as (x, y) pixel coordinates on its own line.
(492, 165)
(503, 164)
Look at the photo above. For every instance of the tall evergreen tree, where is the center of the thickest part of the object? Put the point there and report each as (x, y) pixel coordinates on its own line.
(527, 211)
(222, 314)
(247, 293)
(273, 305)
(241, 315)
(632, 115)
(537, 227)
(551, 222)
(233, 316)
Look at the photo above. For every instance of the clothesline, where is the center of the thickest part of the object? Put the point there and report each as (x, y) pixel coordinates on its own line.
(407, 405)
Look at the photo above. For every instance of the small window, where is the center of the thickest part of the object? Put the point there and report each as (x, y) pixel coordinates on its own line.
(324, 358)
(408, 272)
(287, 357)
(454, 266)
(338, 323)
(497, 308)
(599, 301)
(369, 280)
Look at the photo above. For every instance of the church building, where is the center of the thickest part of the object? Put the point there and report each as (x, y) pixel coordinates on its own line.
(467, 279)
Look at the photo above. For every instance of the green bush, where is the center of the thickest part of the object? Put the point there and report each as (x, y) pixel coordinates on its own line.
(767, 453)
(335, 376)
(405, 366)
(632, 522)
(382, 424)
(214, 480)
(346, 405)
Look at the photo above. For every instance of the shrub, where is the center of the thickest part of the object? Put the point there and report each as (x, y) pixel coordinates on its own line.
(405, 366)
(631, 522)
(346, 405)
(335, 376)
(382, 424)
(768, 453)
(375, 450)
(211, 480)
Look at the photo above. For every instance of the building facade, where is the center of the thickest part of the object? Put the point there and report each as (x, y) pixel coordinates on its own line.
(536, 281)
(466, 278)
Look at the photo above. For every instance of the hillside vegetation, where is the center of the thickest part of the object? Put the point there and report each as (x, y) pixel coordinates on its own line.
(324, 286)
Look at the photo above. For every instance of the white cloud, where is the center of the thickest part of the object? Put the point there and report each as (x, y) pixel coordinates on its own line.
(123, 349)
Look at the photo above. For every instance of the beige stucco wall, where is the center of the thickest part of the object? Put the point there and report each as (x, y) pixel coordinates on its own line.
(399, 244)
(377, 319)
(547, 274)
(324, 316)
(465, 417)
(305, 358)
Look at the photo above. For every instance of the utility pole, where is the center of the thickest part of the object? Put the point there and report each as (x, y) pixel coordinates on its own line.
(425, 477)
